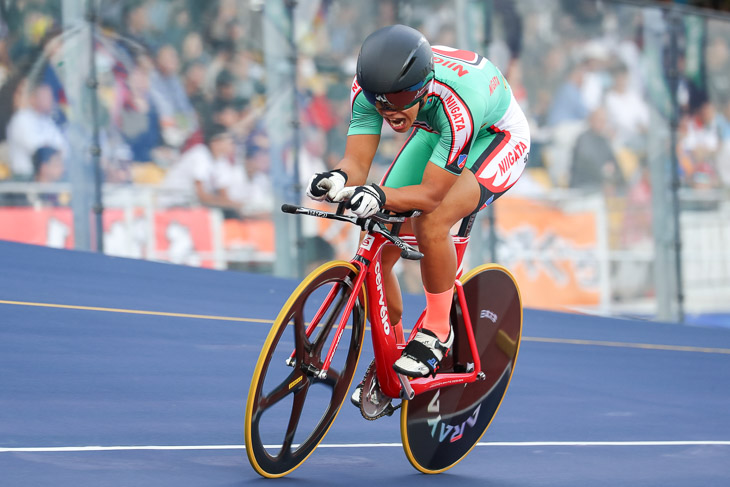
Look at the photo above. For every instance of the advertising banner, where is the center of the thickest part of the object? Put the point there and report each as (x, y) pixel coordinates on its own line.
(181, 236)
(552, 253)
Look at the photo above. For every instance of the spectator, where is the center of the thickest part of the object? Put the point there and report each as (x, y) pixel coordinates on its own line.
(177, 116)
(723, 158)
(135, 24)
(31, 128)
(594, 164)
(717, 56)
(219, 112)
(221, 58)
(627, 110)
(596, 62)
(203, 173)
(225, 87)
(138, 118)
(248, 75)
(250, 185)
(568, 104)
(222, 26)
(699, 143)
(48, 168)
(179, 26)
(690, 94)
(194, 82)
(9, 97)
(192, 49)
(47, 165)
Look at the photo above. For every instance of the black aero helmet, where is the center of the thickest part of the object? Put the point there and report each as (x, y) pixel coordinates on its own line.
(395, 67)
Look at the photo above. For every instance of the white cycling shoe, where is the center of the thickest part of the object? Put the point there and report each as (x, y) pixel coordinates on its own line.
(422, 355)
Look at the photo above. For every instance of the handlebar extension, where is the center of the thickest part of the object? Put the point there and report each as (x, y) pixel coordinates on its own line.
(374, 223)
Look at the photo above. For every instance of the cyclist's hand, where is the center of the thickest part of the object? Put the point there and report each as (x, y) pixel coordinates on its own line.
(326, 185)
(364, 201)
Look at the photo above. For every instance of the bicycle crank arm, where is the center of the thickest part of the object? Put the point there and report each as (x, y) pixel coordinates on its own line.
(406, 391)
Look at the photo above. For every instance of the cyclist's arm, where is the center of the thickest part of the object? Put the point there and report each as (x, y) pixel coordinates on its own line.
(359, 153)
(426, 196)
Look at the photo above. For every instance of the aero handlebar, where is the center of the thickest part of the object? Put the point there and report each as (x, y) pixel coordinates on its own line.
(375, 223)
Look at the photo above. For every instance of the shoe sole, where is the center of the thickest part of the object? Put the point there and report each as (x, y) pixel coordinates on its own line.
(407, 373)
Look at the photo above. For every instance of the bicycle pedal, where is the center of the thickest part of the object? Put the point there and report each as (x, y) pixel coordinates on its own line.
(391, 409)
(464, 369)
(406, 392)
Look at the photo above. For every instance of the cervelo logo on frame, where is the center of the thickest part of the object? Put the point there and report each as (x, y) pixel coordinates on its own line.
(381, 298)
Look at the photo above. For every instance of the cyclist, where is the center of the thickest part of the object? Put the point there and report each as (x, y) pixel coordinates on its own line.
(469, 144)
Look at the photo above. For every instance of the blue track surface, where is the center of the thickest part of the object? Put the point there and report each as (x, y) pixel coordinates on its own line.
(593, 401)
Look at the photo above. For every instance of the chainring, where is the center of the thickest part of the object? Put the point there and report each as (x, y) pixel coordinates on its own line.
(373, 403)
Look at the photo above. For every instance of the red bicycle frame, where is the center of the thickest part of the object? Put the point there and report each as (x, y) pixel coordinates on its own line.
(387, 347)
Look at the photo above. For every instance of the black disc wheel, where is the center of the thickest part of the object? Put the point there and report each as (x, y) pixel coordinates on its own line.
(440, 427)
(292, 401)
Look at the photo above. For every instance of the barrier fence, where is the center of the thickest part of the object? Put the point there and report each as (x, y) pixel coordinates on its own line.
(623, 207)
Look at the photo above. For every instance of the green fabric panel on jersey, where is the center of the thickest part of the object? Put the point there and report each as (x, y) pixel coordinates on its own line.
(365, 118)
(409, 166)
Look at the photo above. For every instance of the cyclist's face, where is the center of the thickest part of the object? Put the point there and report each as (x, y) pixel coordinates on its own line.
(399, 120)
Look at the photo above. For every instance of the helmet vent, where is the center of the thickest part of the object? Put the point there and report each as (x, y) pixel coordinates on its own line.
(407, 67)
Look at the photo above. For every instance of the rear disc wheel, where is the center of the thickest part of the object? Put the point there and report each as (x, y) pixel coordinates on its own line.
(440, 427)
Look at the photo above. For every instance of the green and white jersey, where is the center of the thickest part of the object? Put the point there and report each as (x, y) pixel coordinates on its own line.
(469, 99)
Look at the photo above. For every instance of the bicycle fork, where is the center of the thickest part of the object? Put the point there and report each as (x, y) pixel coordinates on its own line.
(349, 305)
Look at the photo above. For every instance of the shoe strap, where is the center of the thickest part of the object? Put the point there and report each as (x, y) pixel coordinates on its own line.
(424, 354)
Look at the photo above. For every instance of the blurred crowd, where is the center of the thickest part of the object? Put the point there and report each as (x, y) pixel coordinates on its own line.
(183, 92)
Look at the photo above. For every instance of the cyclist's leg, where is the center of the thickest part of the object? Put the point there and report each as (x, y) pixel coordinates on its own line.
(406, 169)
(496, 161)
(439, 264)
(433, 232)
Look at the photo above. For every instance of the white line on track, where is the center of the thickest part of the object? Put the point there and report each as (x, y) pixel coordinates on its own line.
(362, 445)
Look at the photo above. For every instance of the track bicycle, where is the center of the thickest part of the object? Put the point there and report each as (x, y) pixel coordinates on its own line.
(309, 359)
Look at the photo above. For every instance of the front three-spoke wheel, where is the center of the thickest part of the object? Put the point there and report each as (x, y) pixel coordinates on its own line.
(292, 400)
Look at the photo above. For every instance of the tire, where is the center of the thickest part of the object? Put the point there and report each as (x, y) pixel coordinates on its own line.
(290, 408)
(439, 428)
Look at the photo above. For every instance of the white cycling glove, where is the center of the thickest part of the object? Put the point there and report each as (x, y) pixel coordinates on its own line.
(364, 201)
(326, 185)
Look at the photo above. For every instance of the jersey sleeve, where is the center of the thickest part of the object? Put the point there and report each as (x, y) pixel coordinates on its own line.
(455, 121)
(365, 118)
